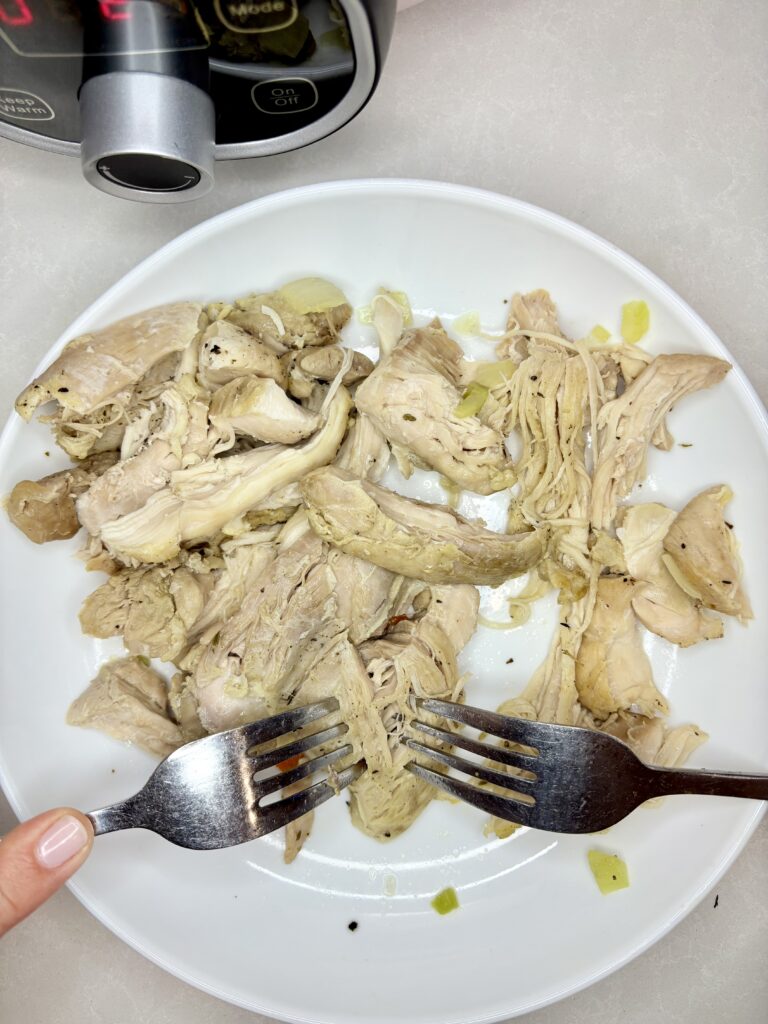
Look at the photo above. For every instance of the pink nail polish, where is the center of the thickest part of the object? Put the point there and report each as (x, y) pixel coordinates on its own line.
(62, 841)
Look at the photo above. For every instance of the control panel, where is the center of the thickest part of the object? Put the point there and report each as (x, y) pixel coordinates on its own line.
(271, 67)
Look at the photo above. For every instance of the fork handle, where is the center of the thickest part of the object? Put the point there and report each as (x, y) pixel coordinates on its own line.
(666, 781)
(114, 817)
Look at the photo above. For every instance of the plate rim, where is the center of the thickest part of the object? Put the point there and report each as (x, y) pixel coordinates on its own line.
(489, 199)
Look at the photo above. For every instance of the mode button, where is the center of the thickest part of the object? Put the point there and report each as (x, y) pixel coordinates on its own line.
(284, 95)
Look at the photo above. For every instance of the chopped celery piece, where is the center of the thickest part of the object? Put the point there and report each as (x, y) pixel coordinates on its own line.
(609, 870)
(446, 901)
(467, 323)
(491, 375)
(600, 333)
(635, 319)
(472, 401)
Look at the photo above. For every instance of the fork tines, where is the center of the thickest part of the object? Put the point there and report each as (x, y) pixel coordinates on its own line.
(292, 807)
(281, 769)
(521, 761)
(288, 721)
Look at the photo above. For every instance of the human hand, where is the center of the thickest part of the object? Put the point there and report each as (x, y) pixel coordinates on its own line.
(37, 857)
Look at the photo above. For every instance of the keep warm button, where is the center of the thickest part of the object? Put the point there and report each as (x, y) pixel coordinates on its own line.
(284, 95)
(24, 106)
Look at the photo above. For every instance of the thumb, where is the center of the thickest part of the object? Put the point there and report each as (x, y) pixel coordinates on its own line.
(37, 857)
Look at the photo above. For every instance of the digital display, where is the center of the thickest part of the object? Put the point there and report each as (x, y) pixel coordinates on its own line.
(242, 32)
(56, 28)
(16, 14)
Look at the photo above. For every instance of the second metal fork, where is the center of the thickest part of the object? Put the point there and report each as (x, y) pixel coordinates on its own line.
(562, 778)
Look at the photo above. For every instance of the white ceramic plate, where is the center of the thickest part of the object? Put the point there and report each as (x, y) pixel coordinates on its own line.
(532, 925)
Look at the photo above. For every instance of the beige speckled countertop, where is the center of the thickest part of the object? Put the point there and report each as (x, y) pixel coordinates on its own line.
(643, 121)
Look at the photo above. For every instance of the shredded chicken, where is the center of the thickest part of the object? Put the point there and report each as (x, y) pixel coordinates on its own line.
(201, 500)
(627, 425)
(229, 485)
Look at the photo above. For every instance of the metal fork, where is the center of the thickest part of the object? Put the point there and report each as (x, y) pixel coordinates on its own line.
(207, 794)
(574, 780)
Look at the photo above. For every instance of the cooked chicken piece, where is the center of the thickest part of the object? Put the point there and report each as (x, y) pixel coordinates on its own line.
(551, 695)
(389, 319)
(129, 702)
(306, 312)
(153, 609)
(547, 400)
(365, 452)
(95, 367)
(277, 507)
(703, 557)
(628, 424)
(45, 509)
(618, 366)
(534, 311)
(184, 709)
(426, 542)
(256, 662)
(228, 351)
(182, 437)
(658, 601)
(414, 657)
(453, 608)
(127, 486)
(81, 436)
(654, 742)
(612, 670)
(385, 801)
(608, 552)
(411, 397)
(261, 409)
(201, 500)
(242, 568)
(307, 366)
(363, 594)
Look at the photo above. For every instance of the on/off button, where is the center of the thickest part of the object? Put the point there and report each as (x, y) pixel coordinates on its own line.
(284, 95)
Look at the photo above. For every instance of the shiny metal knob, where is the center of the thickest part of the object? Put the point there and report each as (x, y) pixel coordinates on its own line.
(146, 136)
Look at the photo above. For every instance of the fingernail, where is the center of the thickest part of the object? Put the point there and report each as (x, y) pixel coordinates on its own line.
(62, 841)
